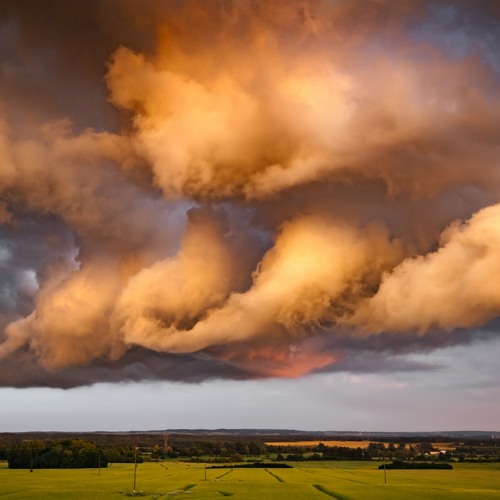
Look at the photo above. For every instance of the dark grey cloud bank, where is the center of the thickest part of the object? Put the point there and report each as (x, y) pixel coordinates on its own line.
(244, 189)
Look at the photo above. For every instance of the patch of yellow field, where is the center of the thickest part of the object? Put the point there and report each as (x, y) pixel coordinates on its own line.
(347, 444)
(444, 446)
(350, 444)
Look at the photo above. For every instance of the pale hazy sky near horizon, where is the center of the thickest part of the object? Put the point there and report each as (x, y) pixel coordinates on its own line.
(229, 214)
(462, 393)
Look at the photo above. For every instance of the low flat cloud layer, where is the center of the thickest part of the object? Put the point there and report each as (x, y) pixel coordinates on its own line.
(194, 190)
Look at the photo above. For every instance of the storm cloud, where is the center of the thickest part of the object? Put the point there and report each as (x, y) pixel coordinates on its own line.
(244, 189)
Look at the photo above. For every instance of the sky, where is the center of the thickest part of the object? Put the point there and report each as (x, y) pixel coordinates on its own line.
(249, 214)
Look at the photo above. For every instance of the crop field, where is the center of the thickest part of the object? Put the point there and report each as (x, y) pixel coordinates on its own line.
(307, 480)
(347, 444)
(444, 446)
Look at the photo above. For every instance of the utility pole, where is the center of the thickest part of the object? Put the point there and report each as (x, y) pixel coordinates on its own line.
(135, 467)
(205, 471)
(31, 448)
(385, 471)
(99, 463)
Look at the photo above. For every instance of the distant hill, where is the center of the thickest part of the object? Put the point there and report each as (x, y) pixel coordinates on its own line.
(150, 437)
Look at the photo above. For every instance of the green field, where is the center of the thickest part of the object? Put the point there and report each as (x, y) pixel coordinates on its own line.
(314, 480)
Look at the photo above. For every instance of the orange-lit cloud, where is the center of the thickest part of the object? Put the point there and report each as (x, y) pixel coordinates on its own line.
(449, 288)
(243, 189)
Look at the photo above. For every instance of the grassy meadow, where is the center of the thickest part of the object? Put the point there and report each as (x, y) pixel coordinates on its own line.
(307, 480)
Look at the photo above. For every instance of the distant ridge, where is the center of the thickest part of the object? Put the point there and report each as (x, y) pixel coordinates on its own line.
(275, 432)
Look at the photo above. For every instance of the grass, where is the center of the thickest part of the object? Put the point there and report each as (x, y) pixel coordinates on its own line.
(307, 480)
(275, 476)
(330, 493)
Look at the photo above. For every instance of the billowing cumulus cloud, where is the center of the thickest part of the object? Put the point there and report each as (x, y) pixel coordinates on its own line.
(314, 273)
(244, 189)
(451, 287)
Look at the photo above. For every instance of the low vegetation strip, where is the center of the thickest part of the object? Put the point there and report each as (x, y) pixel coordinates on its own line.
(181, 491)
(253, 465)
(345, 478)
(330, 493)
(225, 474)
(275, 476)
(416, 465)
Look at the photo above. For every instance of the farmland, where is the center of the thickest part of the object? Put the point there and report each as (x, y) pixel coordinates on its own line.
(314, 480)
(348, 444)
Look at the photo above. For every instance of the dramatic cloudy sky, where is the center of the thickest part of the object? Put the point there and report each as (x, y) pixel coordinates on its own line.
(243, 213)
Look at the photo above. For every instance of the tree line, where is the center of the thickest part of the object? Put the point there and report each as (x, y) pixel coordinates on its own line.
(77, 453)
(65, 454)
